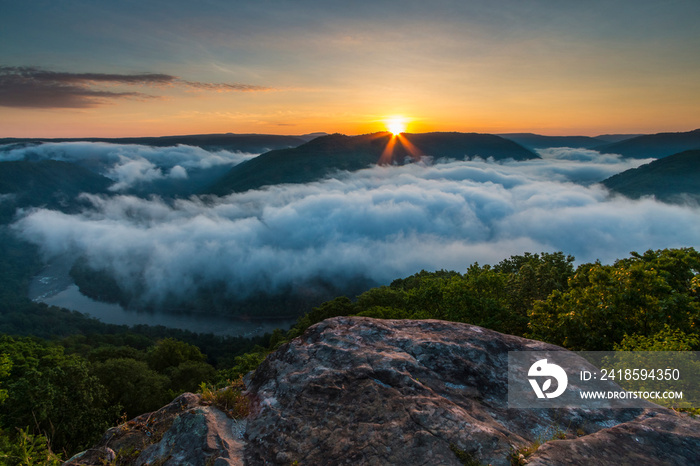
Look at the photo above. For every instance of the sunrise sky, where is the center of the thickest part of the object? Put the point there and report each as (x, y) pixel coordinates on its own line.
(146, 68)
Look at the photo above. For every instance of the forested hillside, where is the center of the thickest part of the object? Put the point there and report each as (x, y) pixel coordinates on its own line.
(654, 145)
(49, 183)
(675, 178)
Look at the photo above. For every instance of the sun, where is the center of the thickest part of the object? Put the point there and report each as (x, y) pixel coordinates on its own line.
(396, 125)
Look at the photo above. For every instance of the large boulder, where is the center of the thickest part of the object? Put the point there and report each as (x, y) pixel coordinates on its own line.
(356, 390)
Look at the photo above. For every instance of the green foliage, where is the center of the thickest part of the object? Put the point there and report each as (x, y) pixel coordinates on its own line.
(658, 352)
(242, 365)
(5, 366)
(229, 399)
(340, 306)
(170, 353)
(105, 353)
(25, 449)
(54, 394)
(494, 297)
(667, 339)
(132, 385)
(533, 277)
(382, 312)
(635, 296)
(188, 375)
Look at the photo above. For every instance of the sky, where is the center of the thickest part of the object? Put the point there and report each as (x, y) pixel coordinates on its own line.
(104, 68)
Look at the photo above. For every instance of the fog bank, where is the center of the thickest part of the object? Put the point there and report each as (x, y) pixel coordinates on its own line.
(381, 223)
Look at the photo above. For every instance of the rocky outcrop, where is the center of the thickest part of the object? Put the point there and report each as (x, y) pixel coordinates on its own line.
(653, 438)
(355, 390)
(363, 391)
(184, 432)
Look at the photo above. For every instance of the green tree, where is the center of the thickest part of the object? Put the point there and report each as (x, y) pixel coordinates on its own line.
(5, 367)
(132, 385)
(667, 339)
(188, 376)
(340, 306)
(170, 353)
(26, 449)
(533, 277)
(243, 364)
(53, 394)
(478, 297)
(635, 296)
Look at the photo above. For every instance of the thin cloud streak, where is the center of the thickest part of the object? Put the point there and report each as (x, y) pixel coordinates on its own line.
(32, 87)
(380, 223)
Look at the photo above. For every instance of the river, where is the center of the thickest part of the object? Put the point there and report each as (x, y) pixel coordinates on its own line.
(54, 286)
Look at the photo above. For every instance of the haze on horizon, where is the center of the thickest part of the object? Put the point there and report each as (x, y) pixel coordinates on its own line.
(99, 68)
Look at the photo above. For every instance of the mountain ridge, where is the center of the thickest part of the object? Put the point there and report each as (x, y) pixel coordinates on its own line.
(251, 143)
(337, 152)
(675, 178)
(654, 145)
(536, 141)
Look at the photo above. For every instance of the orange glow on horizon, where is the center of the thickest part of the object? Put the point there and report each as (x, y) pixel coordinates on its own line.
(396, 125)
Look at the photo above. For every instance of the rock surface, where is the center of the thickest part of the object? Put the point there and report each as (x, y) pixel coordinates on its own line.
(184, 432)
(355, 390)
(651, 439)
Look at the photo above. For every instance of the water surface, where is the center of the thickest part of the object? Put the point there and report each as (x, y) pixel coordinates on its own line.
(55, 287)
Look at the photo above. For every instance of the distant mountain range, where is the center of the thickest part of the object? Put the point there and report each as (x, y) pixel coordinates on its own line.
(628, 145)
(301, 159)
(610, 138)
(672, 179)
(654, 145)
(538, 141)
(327, 154)
(249, 143)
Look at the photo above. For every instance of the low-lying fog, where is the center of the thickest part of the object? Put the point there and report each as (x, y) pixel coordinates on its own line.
(382, 223)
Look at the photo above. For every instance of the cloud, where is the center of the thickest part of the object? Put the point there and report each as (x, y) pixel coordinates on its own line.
(130, 165)
(223, 87)
(38, 88)
(380, 223)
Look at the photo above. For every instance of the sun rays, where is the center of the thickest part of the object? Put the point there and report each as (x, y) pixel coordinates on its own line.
(398, 145)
